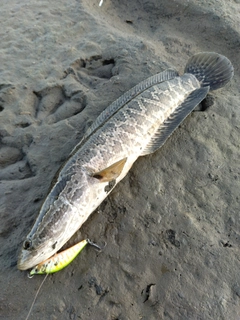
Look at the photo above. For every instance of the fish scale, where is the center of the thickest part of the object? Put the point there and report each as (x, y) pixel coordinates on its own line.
(150, 111)
(136, 124)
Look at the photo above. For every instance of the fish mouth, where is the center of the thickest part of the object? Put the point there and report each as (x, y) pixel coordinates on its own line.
(25, 263)
(29, 259)
(23, 266)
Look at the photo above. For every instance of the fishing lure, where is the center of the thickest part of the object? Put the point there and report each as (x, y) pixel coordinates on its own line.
(57, 263)
(61, 260)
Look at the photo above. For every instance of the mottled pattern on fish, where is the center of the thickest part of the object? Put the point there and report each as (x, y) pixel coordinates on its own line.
(136, 124)
(125, 134)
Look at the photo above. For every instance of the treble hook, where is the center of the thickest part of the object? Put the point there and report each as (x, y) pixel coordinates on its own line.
(95, 245)
(30, 276)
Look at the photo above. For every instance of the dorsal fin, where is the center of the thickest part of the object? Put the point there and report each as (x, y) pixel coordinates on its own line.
(128, 96)
(170, 124)
(110, 173)
(124, 99)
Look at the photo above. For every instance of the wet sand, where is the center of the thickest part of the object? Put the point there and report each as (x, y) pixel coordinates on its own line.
(172, 226)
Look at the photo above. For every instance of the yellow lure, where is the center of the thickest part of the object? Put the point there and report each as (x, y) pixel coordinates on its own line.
(60, 260)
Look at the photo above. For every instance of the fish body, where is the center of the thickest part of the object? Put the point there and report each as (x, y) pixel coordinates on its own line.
(136, 124)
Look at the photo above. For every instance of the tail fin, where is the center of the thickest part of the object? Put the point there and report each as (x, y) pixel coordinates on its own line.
(211, 69)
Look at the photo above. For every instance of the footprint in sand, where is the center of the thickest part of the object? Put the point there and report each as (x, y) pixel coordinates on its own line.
(70, 96)
(28, 114)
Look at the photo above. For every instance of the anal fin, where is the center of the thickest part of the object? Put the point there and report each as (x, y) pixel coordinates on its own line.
(175, 119)
(110, 173)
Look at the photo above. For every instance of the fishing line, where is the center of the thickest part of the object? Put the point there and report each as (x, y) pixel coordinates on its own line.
(51, 270)
(29, 312)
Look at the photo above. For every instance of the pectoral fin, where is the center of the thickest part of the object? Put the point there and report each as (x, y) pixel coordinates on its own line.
(110, 173)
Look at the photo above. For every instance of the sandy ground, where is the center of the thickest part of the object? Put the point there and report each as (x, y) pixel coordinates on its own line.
(172, 226)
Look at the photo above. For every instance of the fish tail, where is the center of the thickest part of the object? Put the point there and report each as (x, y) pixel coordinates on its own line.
(211, 69)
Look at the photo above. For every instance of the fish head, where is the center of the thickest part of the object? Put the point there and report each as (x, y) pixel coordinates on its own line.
(45, 239)
(34, 252)
(55, 225)
(63, 212)
(72, 199)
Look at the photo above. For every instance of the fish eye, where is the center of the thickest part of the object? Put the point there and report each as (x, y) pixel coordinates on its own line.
(27, 244)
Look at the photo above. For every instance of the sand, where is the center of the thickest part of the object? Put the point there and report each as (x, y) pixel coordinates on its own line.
(171, 227)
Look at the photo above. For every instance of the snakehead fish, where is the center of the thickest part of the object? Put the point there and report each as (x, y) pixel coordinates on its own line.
(136, 124)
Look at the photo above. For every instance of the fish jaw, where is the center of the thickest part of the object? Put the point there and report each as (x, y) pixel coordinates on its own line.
(28, 259)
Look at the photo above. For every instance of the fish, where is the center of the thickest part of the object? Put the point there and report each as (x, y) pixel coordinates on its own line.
(136, 124)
